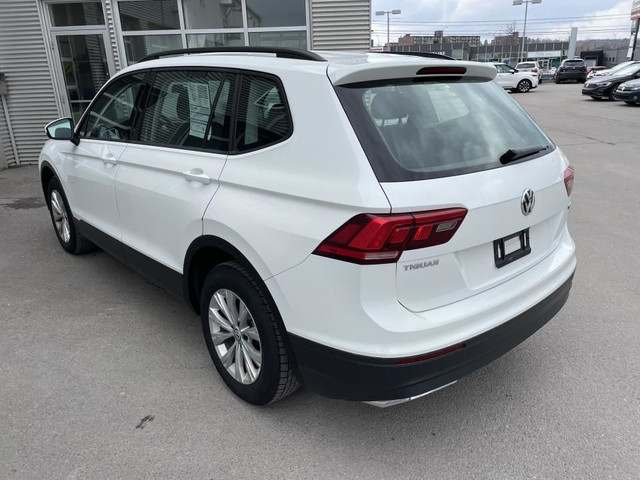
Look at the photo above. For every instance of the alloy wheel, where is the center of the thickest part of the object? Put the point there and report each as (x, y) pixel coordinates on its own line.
(524, 86)
(60, 217)
(235, 336)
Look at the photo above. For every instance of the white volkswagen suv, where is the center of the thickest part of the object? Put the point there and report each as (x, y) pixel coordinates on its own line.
(515, 80)
(371, 226)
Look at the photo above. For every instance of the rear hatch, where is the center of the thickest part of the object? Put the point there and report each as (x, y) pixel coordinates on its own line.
(574, 66)
(449, 140)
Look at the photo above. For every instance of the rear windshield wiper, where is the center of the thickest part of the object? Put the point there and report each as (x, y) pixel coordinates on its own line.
(514, 154)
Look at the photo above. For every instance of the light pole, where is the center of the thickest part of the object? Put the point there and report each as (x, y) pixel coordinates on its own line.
(524, 30)
(387, 13)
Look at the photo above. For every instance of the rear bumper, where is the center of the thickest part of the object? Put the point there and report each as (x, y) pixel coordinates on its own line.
(571, 75)
(342, 375)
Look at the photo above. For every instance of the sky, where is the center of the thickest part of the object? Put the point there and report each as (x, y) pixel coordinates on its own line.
(594, 18)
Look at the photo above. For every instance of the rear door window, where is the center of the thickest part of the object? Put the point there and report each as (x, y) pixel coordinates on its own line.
(416, 130)
(263, 115)
(188, 109)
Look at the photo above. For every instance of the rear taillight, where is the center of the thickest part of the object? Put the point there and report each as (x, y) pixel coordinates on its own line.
(371, 239)
(535, 70)
(568, 179)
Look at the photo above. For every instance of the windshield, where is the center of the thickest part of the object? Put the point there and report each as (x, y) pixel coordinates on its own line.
(628, 70)
(415, 129)
(620, 67)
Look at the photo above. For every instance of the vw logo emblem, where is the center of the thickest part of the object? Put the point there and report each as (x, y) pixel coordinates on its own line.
(528, 201)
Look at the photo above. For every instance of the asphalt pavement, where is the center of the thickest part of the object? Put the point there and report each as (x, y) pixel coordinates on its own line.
(105, 376)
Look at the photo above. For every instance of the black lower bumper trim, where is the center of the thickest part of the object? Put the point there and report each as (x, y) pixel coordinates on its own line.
(338, 374)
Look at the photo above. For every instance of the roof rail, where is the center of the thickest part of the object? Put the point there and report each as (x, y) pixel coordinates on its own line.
(423, 54)
(281, 52)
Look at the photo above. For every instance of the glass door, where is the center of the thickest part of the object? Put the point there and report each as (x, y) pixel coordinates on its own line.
(84, 67)
(83, 60)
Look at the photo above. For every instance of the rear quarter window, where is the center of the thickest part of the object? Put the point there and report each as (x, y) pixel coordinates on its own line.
(263, 114)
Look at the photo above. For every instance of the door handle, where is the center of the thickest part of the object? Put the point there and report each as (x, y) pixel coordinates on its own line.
(197, 175)
(109, 159)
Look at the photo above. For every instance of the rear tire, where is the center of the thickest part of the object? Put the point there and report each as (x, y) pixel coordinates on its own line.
(524, 86)
(556, 81)
(63, 222)
(248, 351)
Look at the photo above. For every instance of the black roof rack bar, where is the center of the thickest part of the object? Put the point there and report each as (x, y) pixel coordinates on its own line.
(281, 52)
(423, 54)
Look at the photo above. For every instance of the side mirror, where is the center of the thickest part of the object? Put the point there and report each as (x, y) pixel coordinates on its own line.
(62, 129)
(513, 70)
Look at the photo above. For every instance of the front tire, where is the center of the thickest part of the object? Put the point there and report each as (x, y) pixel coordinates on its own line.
(63, 222)
(630, 103)
(243, 338)
(524, 86)
(611, 92)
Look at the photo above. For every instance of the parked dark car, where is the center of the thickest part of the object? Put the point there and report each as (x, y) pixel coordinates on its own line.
(574, 69)
(628, 92)
(604, 87)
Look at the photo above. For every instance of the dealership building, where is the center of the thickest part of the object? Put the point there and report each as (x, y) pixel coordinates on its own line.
(55, 55)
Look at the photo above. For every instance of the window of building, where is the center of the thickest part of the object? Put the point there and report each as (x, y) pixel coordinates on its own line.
(279, 39)
(215, 40)
(179, 110)
(139, 46)
(110, 117)
(283, 13)
(263, 118)
(149, 15)
(212, 14)
(152, 26)
(72, 14)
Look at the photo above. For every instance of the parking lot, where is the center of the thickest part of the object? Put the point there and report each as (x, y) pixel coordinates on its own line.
(103, 375)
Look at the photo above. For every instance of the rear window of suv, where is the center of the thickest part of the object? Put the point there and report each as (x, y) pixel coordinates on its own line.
(415, 129)
(526, 65)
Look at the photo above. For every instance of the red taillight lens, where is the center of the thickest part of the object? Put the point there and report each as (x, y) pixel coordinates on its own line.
(535, 70)
(568, 179)
(372, 239)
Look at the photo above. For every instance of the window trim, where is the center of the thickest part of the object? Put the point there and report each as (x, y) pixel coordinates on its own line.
(149, 77)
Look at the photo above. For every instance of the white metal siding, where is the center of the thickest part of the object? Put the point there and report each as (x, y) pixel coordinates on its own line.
(341, 24)
(31, 99)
